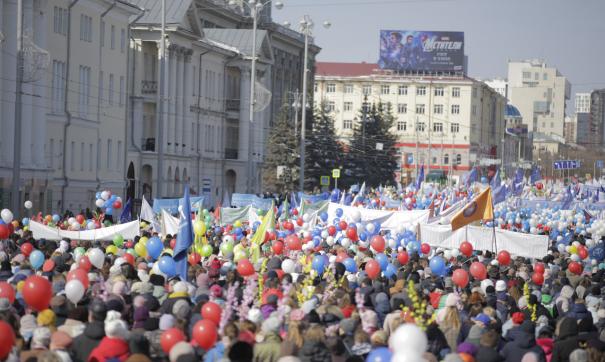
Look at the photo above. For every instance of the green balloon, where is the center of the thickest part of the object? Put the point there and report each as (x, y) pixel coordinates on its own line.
(208, 218)
(107, 223)
(118, 240)
(79, 250)
(206, 250)
(260, 212)
(131, 252)
(205, 212)
(226, 248)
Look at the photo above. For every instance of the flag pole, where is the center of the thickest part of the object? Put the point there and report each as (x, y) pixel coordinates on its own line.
(494, 240)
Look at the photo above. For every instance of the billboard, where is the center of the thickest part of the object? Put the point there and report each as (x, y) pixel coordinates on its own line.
(413, 50)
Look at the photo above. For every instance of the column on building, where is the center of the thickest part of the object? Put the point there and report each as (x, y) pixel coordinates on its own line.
(178, 103)
(40, 23)
(26, 98)
(171, 115)
(244, 114)
(188, 87)
(9, 66)
(165, 103)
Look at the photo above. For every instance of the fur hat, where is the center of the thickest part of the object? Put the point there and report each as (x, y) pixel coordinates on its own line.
(271, 325)
(500, 286)
(115, 327)
(180, 349)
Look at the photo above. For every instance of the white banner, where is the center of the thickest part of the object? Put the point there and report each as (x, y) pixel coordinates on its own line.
(170, 224)
(525, 245)
(389, 220)
(128, 231)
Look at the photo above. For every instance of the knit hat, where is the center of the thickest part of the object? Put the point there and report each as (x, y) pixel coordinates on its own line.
(518, 317)
(482, 318)
(46, 318)
(60, 340)
(166, 322)
(484, 284)
(180, 349)
(115, 327)
(500, 286)
(271, 325)
(255, 315)
(180, 287)
(216, 291)
(40, 338)
(4, 304)
(181, 309)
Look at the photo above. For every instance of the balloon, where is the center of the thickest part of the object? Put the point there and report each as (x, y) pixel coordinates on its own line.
(245, 268)
(27, 249)
(140, 249)
(503, 257)
(582, 252)
(36, 259)
(206, 250)
(194, 258)
(97, 257)
(212, 312)
(437, 265)
(199, 228)
(117, 204)
(318, 264)
(227, 248)
(167, 266)
(80, 219)
(403, 257)
(425, 248)
(170, 337)
(4, 232)
(7, 291)
(111, 249)
(28, 205)
(352, 233)
(466, 248)
(575, 267)
(79, 274)
(37, 292)
(331, 230)
(372, 269)
(460, 278)
(7, 216)
(390, 271)
(74, 290)
(84, 263)
(350, 265)
(99, 203)
(204, 333)
(154, 247)
(382, 260)
(118, 240)
(378, 243)
(293, 242)
(288, 266)
(539, 268)
(537, 278)
(278, 247)
(7, 341)
(129, 258)
(380, 354)
(478, 270)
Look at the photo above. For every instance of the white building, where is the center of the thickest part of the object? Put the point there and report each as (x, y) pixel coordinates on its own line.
(499, 85)
(582, 102)
(540, 93)
(449, 124)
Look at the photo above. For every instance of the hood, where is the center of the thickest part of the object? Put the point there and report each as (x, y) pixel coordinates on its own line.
(112, 347)
(94, 330)
(579, 308)
(525, 340)
(568, 328)
(546, 344)
(567, 291)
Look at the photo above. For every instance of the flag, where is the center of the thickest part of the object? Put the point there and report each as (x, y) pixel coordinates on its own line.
(496, 181)
(284, 213)
(420, 178)
(342, 197)
(518, 182)
(148, 215)
(480, 208)
(184, 238)
(217, 212)
(568, 199)
(126, 215)
(335, 195)
(470, 177)
(500, 194)
(293, 201)
(587, 215)
(259, 236)
(535, 175)
(361, 194)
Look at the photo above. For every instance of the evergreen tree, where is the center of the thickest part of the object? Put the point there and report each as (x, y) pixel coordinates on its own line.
(372, 156)
(283, 152)
(323, 151)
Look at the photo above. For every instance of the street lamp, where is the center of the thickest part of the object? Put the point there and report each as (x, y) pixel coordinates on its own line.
(306, 27)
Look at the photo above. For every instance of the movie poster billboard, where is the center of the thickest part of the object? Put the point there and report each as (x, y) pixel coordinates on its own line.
(412, 50)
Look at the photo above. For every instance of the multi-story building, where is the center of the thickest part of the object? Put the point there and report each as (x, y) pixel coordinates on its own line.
(499, 85)
(597, 118)
(517, 141)
(73, 104)
(445, 123)
(540, 93)
(571, 128)
(582, 102)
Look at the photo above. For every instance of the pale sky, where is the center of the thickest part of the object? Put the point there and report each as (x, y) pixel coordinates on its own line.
(567, 34)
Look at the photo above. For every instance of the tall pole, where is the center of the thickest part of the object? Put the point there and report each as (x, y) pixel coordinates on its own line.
(16, 202)
(253, 13)
(417, 159)
(296, 105)
(160, 102)
(303, 121)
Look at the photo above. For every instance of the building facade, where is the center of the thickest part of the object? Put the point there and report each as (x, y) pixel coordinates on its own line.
(517, 141)
(540, 93)
(582, 102)
(499, 85)
(571, 128)
(448, 124)
(597, 118)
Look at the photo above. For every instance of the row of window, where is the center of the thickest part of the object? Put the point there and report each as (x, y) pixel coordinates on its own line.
(402, 90)
(86, 155)
(402, 108)
(446, 159)
(61, 23)
(403, 126)
(527, 75)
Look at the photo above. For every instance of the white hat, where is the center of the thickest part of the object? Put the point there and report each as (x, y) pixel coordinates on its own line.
(115, 327)
(500, 286)
(180, 349)
(484, 284)
(255, 315)
(180, 287)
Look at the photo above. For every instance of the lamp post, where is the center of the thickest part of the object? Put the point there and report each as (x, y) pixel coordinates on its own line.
(306, 27)
(255, 8)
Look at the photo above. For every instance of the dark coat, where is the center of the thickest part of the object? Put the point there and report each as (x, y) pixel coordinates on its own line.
(314, 352)
(567, 341)
(82, 345)
(579, 311)
(524, 342)
(486, 354)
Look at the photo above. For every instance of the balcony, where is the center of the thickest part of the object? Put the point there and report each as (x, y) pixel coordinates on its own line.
(232, 105)
(148, 144)
(231, 153)
(149, 86)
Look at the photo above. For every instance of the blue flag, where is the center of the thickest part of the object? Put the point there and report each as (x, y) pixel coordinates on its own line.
(535, 175)
(518, 182)
(500, 194)
(420, 178)
(496, 181)
(470, 177)
(126, 215)
(335, 196)
(568, 199)
(184, 238)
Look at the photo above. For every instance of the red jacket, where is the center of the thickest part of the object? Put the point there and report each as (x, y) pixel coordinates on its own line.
(110, 348)
(547, 345)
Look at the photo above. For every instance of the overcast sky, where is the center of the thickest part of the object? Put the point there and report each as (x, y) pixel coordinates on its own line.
(568, 34)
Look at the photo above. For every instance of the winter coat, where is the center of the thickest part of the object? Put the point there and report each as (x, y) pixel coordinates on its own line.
(382, 307)
(524, 342)
(82, 346)
(567, 341)
(268, 350)
(31, 355)
(486, 354)
(579, 311)
(503, 303)
(314, 352)
(547, 345)
(110, 349)
(155, 347)
(167, 305)
(563, 301)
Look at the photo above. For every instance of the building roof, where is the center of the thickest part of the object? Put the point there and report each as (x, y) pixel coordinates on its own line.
(175, 11)
(511, 111)
(240, 39)
(345, 69)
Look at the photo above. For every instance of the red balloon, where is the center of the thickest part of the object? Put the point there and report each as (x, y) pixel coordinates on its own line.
(7, 291)
(575, 267)
(172, 244)
(378, 243)
(288, 225)
(539, 186)
(212, 312)
(80, 219)
(331, 230)
(245, 268)
(117, 204)
(299, 221)
(278, 247)
(295, 212)
(537, 278)
(204, 333)
(503, 257)
(4, 231)
(460, 278)
(539, 268)
(7, 341)
(79, 274)
(129, 258)
(582, 252)
(27, 249)
(425, 248)
(194, 258)
(342, 224)
(170, 337)
(403, 257)
(84, 263)
(352, 233)
(478, 270)
(37, 292)
(466, 248)
(293, 242)
(372, 269)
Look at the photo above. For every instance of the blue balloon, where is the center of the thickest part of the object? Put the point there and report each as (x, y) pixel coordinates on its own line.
(318, 264)
(437, 265)
(339, 212)
(363, 236)
(56, 218)
(154, 247)
(25, 221)
(377, 227)
(380, 354)
(598, 252)
(382, 260)
(217, 230)
(36, 259)
(113, 198)
(390, 271)
(324, 216)
(167, 265)
(350, 265)
(109, 211)
(238, 231)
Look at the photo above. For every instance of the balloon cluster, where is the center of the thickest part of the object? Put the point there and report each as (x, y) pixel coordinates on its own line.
(6, 225)
(108, 202)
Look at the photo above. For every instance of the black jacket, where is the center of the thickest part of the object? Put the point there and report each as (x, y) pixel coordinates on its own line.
(524, 342)
(83, 344)
(567, 341)
(314, 352)
(486, 354)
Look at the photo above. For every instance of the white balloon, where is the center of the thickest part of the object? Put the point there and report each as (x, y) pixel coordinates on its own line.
(96, 257)
(345, 242)
(28, 204)
(306, 234)
(455, 253)
(330, 240)
(447, 254)
(105, 195)
(370, 228)
(75, 226)
(74, 290)
(288, 266)
(494, 262)
(324, 234)
(356, 215)
(99, 202)
(306, 217)
(228, 239)
(7, 216)
(575, 257)
(392, 243)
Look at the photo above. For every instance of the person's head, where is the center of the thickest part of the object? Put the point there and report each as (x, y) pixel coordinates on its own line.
(578, 355)
(489, 338)
(395, 38)
(294, 333)
(315, 333)
(361, 336)
(97, 311)
(409, 39)
(240, 352)
(452, 317)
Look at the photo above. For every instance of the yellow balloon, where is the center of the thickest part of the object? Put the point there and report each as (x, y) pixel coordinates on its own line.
(143, 240)
(199, 228)
(238, 255)
(237, 224)
(140, 249)
(111, 249)
(573, 249)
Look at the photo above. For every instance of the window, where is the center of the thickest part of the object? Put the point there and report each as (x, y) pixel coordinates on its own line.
(348, 88)
(60, 20)
(121, 94)
(85, 28)
(331, 106)
(446, 159)
(421, 91)
(474, 92)
(331, 88)
(90, 154)
(402, 108)
(439, 92)
(84, 91)
(455, 109)
(545, 76)
(58, 86)
(315, 87)
(113, 37)
(108, 154)
(110, 90)
(122, 40)
(474, 109)
(347, 124)
(455, 127)
(102, 33)
(437, 127)
(420, 126)
(458, 159)
(82, 156)
(434, 160)
(420, 109)
(526, 75)
(73, 156)
(456, 92)
(348, 106)
(536, 76)
(438, 109)
(401, 126)
(385, 89)
(402, 90)
(366, 90)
